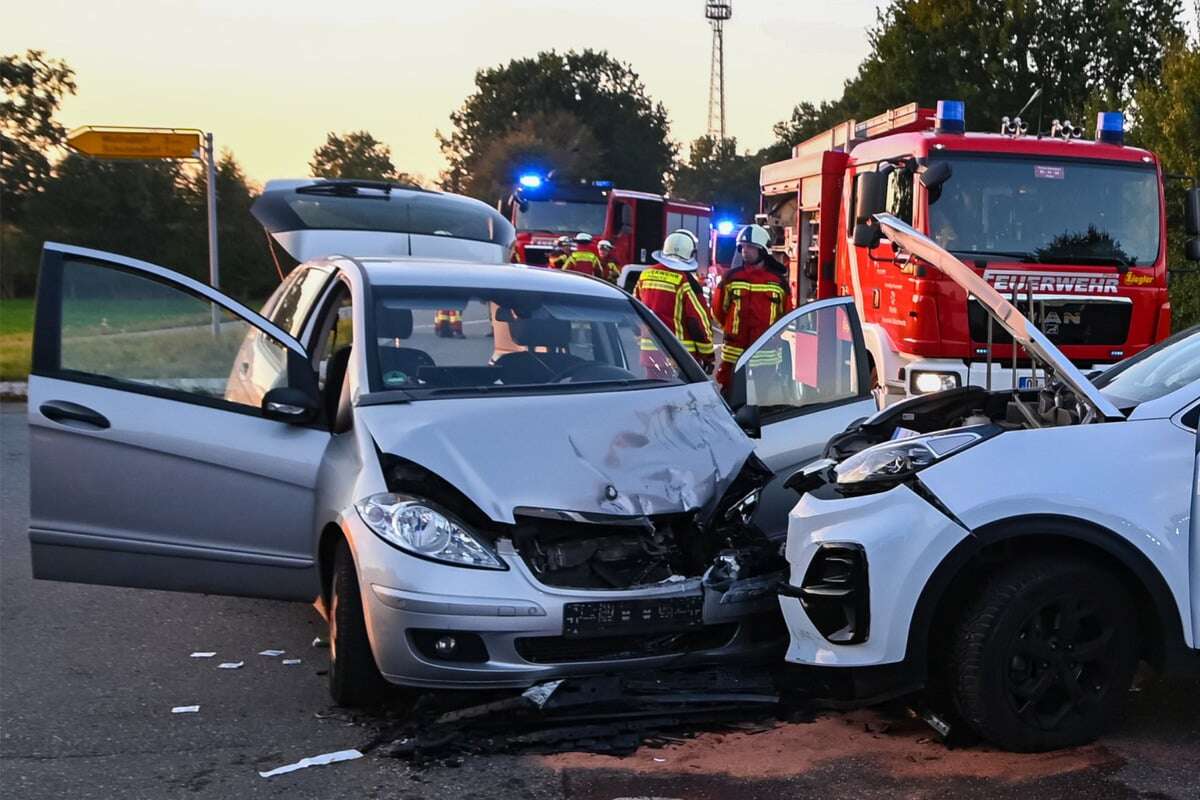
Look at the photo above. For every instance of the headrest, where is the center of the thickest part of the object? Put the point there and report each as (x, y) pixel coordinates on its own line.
(394, 323)
(540, 332)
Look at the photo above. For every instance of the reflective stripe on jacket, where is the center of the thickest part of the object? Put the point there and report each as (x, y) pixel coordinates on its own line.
(674, 300)
(584, 261)
(747, 302)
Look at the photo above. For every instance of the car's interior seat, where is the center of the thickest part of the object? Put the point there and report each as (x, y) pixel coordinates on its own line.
(397, 324)
(530, 366)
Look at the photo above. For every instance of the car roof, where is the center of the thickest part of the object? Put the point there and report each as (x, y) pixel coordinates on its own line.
(469, 274)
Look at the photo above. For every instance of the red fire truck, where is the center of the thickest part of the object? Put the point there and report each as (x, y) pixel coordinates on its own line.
(543, 209)
(1075, 230)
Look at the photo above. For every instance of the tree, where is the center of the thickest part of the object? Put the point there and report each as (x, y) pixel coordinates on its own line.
(631, 131)
(994, 53)
(716, 173)
(33, 89)
(543, 141)
(359, 155)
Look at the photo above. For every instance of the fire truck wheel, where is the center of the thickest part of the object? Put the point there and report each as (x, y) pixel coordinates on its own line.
(1045, 655)
(354, 678)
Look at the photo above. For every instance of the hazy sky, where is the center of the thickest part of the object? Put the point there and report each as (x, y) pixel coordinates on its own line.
(269, 79)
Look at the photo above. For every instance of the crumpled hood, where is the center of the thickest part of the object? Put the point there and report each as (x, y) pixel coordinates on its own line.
(645, 451)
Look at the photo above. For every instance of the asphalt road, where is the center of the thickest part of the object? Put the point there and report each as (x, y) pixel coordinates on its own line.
(89, 674)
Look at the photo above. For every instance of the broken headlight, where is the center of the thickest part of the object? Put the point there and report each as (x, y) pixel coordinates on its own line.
(894, 461)
(417, 528)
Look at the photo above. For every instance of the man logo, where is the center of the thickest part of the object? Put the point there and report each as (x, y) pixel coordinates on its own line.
(1053, 320)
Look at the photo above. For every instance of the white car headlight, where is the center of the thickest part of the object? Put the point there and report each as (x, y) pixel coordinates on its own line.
(930, 382)
(892, 461)
(417, 528)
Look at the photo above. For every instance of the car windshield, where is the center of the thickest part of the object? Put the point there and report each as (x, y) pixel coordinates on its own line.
(443, 342)
(1169, 365)
(561, 216)
(1050, 211)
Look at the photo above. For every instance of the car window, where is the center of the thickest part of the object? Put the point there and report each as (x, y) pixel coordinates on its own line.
(337, 331)
(290, 309)
(809, 361)
(1160, 370)
(437, 342)
(133, 330)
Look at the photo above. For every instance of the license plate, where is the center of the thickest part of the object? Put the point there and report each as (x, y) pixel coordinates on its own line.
(650, 615)
(1030, 383)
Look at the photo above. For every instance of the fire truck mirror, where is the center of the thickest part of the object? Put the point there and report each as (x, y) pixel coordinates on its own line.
(867, 235)
(934, 176)
(1192, 217)
(871, 191)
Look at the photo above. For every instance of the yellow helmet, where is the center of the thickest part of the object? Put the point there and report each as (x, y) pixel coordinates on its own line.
(678, 251)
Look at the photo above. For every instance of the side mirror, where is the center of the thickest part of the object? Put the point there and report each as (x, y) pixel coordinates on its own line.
(872, 188)
(287, 404)
(1191, 218)
(523, 205)
(749, 420)
(936, 175)
(867, 234)
(1191, 250)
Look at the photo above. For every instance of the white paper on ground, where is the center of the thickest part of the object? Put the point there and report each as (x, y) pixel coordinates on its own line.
(231, 665)
(314, 761)
(291, 661)
(319, 642)
(185, 709)
(271, 653)
(203, 654)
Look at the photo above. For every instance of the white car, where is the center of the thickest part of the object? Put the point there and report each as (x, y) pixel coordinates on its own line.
(1015, 553)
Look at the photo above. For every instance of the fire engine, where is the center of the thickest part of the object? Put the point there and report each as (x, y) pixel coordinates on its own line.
(1073, 230)
(543, 208)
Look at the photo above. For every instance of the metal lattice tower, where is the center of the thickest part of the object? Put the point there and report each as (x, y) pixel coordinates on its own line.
(717, 12)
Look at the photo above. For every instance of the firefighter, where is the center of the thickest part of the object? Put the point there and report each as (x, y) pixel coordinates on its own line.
(560, 254)
(584, 258)
(671, 291)
(611, 269)
(447, 323)
(749, 299)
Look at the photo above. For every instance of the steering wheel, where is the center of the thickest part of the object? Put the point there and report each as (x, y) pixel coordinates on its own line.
(602, 372)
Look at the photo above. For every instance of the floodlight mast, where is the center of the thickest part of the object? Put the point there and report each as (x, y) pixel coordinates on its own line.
(717, 12)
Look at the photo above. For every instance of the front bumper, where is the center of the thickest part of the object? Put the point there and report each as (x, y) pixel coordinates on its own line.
(903, 539)
(520, 622)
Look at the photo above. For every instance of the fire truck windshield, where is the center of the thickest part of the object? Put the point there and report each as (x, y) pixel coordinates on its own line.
(1049, 211)
(560, 216)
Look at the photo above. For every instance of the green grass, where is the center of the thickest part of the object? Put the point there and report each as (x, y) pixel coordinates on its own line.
(16, 338)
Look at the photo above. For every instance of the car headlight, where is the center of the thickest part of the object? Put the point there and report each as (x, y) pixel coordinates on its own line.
(417, 528)
(894, 461)
(930, 382)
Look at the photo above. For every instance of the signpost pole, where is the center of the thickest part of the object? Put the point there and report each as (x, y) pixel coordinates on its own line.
(214, 268)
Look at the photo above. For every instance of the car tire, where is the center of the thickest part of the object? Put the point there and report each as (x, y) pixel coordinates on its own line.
(1044, 657)
(354, 677)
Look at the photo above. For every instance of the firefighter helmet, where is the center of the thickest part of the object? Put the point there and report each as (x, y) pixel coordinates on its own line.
(678, 251)
(563, 242)
(604, 244)
(756, 235)
(583, 238)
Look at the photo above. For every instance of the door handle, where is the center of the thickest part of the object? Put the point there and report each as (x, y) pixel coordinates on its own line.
(61, 411)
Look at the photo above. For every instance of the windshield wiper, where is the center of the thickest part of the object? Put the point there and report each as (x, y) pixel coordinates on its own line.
(349, 187)
(1024, 257)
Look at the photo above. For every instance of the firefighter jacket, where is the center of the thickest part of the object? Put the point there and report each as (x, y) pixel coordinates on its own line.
(585, 261)
(750, 299)
(556, 260)
(611, 269)
(675, 298)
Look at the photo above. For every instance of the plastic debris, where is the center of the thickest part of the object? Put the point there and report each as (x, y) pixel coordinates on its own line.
(271, 653)
(541, 692)
(185, 709)
(291, 661)
(203, 654)
(231, 665)
(314, 761)
(319, 642)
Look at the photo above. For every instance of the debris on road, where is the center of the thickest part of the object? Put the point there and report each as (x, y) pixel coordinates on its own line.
(231, 665)
(319, 642)
(613, 714)
(185, 709)
(313, 761)
(291, 661)
(204, 654)
(271, 653)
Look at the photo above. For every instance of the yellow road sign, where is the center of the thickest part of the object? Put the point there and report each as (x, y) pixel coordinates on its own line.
(135, 143)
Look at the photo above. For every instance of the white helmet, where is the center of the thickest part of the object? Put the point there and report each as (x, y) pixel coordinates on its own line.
(563, 242)
(583, 238)
(756, 235)
(678, 251)
(604, 244)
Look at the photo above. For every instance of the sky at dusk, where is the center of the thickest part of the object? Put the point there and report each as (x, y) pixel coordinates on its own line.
(269, 79)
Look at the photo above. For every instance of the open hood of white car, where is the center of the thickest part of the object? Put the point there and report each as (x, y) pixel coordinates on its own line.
(1005, 314)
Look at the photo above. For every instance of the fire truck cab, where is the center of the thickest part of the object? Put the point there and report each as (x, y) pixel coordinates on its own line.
(543, 209)
(1073, 231)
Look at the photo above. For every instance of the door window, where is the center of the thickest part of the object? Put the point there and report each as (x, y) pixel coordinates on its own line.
(120, 326)
(809, 360)
(337, 332)
(290, 309)
(900, 194)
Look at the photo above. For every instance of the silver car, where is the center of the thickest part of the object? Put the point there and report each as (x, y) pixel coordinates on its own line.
(561, 490)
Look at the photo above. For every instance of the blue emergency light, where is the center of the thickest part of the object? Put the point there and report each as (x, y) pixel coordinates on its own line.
(1110, 127)
(724, 227)
(602, 184)
(951, 116)
(530, 180)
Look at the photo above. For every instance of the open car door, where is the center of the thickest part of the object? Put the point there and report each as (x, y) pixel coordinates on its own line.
(804, 380)
(173, 435)
(1194, 538)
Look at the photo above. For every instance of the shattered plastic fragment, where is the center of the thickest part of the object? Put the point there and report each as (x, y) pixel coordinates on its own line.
(314, 761)
(272, 653)
(185, 709)
(203, 654)
(540, 693)
(319, 642)
(290, 661)
(231, 665)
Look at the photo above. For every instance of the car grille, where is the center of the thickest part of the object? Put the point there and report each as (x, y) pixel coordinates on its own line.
(565, 650)
(1063, 321)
